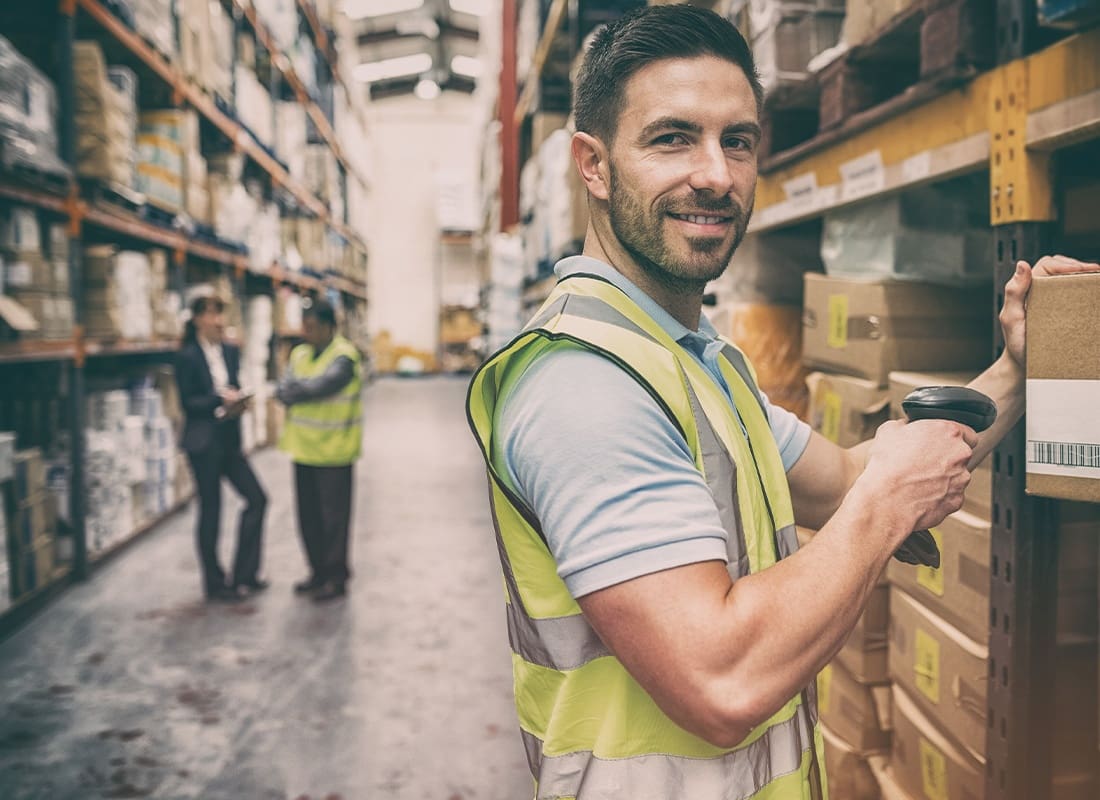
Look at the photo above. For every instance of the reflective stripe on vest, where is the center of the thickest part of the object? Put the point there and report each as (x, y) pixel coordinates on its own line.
(327, 431)
(590, 730)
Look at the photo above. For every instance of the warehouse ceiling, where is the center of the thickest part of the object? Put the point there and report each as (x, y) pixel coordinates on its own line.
(417, 46)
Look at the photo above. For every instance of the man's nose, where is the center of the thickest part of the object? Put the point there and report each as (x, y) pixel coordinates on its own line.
(711, 170)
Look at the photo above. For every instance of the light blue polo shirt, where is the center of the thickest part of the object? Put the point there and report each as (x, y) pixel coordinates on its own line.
(609, 477)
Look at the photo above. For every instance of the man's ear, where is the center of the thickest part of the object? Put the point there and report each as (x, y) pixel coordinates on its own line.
(591, 157)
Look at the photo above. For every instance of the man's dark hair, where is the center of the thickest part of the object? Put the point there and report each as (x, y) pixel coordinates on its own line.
(320, 310)
(641, 37)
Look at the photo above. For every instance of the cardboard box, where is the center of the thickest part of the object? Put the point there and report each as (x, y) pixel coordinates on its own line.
(979, 494)
(942, 671)
(848, 771)
(859, 714)
(30, 522)
(30, 474)
(869, 328)
(958, 590)
(1063, 388)
(865, 654)
(924, 762)
(846, 410)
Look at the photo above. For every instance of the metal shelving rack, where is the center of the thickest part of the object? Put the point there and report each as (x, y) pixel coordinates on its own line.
(65, 203)
(1011, 120)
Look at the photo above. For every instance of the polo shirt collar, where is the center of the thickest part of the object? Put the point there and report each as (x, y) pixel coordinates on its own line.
(697, 341)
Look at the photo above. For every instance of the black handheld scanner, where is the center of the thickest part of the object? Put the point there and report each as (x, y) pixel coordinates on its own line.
(955, 403)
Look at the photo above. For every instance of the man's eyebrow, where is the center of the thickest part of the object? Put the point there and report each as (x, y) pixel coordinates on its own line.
(751, 128)
(669, 124)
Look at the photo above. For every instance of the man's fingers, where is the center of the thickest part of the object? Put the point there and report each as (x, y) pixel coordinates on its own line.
(1063, 265)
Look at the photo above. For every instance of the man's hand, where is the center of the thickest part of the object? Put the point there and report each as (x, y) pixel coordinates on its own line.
(1013, 315)
(922, 468)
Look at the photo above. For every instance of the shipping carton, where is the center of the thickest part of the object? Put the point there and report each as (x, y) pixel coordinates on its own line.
(868, 328)
(979, 494)
(859, 714)
(958, 590)
(924, 762)
(1063, 388)
(848, 771)
(846, 410)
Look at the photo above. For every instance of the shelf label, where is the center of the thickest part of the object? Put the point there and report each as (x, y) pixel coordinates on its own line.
(1063, 428)
(931, 578)
(862, 176)
(837, 337)
(933, 771)
(917, 168)
(926, 670)
(802, 191)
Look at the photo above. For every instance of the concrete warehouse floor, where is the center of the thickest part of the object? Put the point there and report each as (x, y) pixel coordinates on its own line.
(129, 686)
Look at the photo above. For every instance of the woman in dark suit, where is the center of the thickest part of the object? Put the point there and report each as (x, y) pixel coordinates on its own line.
(207, 375)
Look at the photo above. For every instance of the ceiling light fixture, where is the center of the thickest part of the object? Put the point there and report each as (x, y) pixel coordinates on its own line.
(466, 65)
(374, 71)
(361, 9)
(427, 89)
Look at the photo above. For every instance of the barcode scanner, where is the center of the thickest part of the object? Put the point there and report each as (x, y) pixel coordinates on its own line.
(955, 403)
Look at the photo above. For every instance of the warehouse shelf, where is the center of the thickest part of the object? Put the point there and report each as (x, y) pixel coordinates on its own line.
(323, 43)
(945, 137)
(554, 19)
(282, 63)
(26, 605)
(205, 106)
(109, 348)
(100, 557)
(39, 198)
(136, 228)
(37, 350)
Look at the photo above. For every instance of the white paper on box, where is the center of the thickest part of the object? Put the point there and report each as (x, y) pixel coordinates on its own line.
(863, 175)
(1063, 427)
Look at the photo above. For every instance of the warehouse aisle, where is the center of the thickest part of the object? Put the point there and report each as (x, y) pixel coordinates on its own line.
(130, 687)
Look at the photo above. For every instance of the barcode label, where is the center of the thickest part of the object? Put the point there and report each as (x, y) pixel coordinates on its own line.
(1063, 454)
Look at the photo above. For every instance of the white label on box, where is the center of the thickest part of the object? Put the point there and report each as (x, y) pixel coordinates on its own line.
(862, 176)
(19, 274)
(38, 107)
(917, 168)
(1063, 428)
(802, 191)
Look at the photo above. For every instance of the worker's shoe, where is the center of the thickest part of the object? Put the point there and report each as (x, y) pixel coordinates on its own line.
(331, 590)
(224, 594)
(312, 584)
(254, 586)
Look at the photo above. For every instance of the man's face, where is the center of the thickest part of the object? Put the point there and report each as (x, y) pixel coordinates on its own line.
(683, 168)
(315, 332)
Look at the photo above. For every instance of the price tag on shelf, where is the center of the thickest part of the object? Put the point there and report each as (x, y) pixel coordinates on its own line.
(862, 176)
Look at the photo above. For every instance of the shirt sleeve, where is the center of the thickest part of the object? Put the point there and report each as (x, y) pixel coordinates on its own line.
(335, 377)
(609, 477)
(791, 434)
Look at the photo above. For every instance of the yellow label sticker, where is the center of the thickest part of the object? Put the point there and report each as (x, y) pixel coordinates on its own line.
(830, 416)
(824, 684)
(838, 321)
(933, 771)
(926, 669)
(931, 578)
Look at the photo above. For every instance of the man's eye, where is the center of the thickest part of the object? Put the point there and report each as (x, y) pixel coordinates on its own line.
(738, 143)
(671, 138)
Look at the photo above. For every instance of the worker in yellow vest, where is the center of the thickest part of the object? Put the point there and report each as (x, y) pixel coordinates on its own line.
(323, 434)
(665, 628)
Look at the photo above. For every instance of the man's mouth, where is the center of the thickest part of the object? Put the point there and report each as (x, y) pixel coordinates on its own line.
(702, 219)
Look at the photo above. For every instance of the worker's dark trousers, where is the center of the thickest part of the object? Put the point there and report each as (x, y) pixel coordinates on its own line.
(324, 518)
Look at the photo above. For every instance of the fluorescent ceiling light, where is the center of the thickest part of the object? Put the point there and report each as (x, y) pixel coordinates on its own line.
(466, 65)
(361, 9)
(427, 89)
(373, 71)
(479, 8)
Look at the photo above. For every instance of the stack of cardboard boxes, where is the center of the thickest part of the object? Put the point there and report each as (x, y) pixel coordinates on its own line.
(28, 516)
(105, 117)
(36, 277)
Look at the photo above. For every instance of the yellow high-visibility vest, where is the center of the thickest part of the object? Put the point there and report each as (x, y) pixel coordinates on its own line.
(589, 729)
(327, 432)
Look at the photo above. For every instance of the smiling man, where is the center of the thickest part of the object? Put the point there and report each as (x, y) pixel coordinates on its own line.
(666, 630)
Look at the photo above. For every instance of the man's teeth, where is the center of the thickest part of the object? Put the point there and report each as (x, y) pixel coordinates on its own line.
(700, 220)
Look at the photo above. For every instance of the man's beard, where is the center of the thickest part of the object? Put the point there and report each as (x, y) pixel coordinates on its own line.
(644, 238)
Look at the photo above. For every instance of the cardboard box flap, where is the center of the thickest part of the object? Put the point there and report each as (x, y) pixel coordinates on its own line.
(909, 710)
(16, 316)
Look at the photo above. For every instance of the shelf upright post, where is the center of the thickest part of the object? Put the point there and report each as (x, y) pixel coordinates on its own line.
(66, 32)
(1024, 557)
(506, 109)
